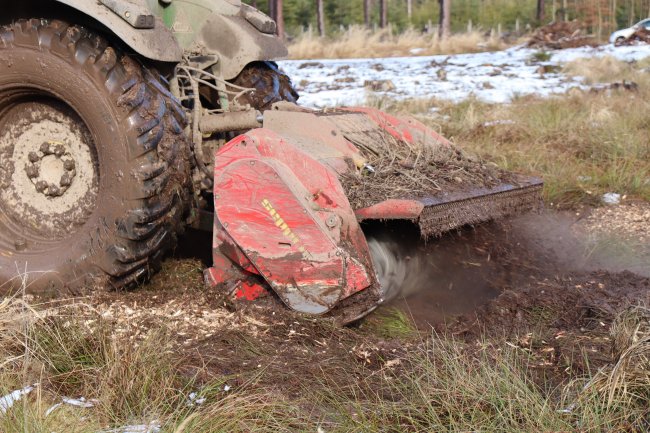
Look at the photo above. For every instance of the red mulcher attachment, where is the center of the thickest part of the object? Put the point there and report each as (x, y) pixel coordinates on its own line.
(283, 219)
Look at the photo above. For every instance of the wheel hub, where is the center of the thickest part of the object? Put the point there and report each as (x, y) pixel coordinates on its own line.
(51, 169)
(48, 179)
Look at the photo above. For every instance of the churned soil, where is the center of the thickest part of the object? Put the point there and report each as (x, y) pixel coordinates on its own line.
(496, 284)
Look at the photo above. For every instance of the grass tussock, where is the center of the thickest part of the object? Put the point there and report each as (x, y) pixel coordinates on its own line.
(583, 144)
(628, 377)
(359, 42)
(389, 323)
(604, 69)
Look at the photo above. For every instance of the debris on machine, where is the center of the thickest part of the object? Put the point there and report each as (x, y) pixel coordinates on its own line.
(411, 172)
(398, 169)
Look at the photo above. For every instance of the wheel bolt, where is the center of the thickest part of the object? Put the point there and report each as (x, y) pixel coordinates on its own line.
(54, 190)
(69, 165)
(32, 171)
(45, 148)
(33, 157)
(59, 150)
(41, 186)
(66, 180)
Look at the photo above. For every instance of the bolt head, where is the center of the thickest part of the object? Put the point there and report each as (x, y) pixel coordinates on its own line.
(59, 150)
(41, 186)
(45, 148)
(69, 164)
(66, 180)
(54, 190)
(332, 221)
(33, 157)
(31, 171)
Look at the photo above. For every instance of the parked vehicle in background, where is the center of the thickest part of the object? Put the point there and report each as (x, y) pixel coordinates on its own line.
(620, 36)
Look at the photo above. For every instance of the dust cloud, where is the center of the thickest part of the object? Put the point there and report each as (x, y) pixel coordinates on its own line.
(467, 268)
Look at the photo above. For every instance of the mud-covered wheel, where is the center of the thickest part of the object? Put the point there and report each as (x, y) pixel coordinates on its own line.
(619, 41)
(270, 83)
(93, 162)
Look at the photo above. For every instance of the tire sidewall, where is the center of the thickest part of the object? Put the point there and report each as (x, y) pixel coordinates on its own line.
(82, 88)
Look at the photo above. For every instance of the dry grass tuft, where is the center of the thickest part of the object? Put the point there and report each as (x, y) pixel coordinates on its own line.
(628, 377)
(446, 386)
(359, 42)
(600, 69)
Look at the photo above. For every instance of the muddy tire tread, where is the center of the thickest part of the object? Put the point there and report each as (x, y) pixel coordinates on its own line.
(159, 200)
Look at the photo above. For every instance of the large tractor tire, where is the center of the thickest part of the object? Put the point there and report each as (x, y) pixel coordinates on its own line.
(94, 171)
(270, 83)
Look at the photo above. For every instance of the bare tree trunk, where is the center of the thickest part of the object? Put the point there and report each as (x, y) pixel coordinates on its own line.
(541, 11)
(272, 9)
(279, 18)
(366, 12)
(444, 29)
(409, 9)
(320, 15)
(554, 11)
(383, 13)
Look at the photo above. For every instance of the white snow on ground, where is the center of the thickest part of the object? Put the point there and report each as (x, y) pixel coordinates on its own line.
(493, 77)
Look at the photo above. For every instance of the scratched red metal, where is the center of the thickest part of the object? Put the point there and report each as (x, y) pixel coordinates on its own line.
(250, 291)
(410, 130)
(288, 215)
(391, 209)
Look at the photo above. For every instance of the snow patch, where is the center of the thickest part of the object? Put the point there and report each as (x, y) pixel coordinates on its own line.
(495, 77)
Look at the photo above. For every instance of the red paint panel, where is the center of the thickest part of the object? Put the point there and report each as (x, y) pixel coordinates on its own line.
(392, 209)
(409, 130)
(287, 214)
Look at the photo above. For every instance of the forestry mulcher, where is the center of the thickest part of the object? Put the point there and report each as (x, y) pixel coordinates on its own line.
(122, 122)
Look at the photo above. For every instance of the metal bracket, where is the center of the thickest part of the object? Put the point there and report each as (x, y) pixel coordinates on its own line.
(137, 16)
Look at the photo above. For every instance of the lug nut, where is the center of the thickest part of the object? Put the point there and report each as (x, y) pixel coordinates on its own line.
(33, 157)
(59, 150)
(32, 171)
(66, 180)
(69, 164)
(54, 190)
(45, 148)
(41, 186)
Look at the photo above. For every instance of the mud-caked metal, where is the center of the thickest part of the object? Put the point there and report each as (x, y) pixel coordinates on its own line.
(234, 33)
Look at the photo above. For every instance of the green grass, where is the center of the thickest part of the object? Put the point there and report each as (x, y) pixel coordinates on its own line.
(541, 56)
(390, 322)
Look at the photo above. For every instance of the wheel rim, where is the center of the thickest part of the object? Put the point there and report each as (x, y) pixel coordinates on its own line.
(49, 179)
